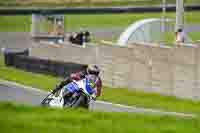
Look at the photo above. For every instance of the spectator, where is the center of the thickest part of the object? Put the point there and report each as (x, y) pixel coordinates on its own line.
(60, 28)
(76, 38)
(180, 37)
(80, 38)
(87, 36)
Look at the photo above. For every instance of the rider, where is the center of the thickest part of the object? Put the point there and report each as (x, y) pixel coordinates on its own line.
(91, 70)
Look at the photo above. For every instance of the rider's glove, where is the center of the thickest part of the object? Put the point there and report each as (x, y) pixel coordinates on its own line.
(54, 91)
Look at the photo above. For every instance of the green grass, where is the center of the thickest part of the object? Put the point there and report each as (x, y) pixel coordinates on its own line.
(23, 23)
(149, 100)
(15, 23)
(24, 119)
(115, 95)
(170, 37)
(195, 36)
(109, 20)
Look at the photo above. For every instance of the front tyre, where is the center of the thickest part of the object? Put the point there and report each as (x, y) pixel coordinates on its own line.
(46, 100)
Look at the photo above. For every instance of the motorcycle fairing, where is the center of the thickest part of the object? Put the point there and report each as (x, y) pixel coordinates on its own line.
(88, 87)
(72, 87)
(76, 85)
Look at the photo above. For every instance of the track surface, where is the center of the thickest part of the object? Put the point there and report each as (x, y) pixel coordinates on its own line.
(13, 92)
(20, 95)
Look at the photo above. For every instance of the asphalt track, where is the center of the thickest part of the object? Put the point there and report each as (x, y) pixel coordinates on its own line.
(20, 94)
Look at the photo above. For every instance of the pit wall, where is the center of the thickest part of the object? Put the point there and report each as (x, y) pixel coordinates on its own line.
(166, 70)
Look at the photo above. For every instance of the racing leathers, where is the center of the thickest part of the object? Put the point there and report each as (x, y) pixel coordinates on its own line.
(78, 76)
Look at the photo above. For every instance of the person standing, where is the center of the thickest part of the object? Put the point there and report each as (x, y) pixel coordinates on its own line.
(180, 37)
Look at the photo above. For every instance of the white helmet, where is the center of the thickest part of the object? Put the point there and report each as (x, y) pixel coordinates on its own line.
(93, 69)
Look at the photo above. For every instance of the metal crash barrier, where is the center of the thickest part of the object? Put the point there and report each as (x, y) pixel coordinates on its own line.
(22, 60)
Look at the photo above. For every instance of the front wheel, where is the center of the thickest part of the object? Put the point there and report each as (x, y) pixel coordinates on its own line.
(46, 100)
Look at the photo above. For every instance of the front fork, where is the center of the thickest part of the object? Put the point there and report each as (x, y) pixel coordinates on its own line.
(57, 101)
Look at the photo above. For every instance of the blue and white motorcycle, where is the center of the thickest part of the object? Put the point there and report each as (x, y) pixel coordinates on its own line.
(75, 94)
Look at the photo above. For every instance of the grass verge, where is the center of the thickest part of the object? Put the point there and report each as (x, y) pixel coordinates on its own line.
(23, 119)
(170, 37)
(15, 23)
(23, 23)
(115, 95)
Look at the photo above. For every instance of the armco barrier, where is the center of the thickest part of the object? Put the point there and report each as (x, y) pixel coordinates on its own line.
(94, 10)
(9, 55)
(20, 59)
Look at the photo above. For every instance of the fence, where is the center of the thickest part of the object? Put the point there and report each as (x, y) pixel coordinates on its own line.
(23, 61)
(166, 70)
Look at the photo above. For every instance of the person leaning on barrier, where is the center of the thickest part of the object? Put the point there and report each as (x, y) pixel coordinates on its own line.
(91, 71)
(87, 36)
(180, 37)
(80, 37)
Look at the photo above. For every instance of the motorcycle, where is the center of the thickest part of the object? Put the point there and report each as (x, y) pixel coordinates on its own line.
(75, 94)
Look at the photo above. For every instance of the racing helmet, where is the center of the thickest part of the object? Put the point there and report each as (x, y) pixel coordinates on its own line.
(93, 69)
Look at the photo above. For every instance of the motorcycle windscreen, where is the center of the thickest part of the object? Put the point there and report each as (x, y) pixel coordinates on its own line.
(88, 87)
(72, 87)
